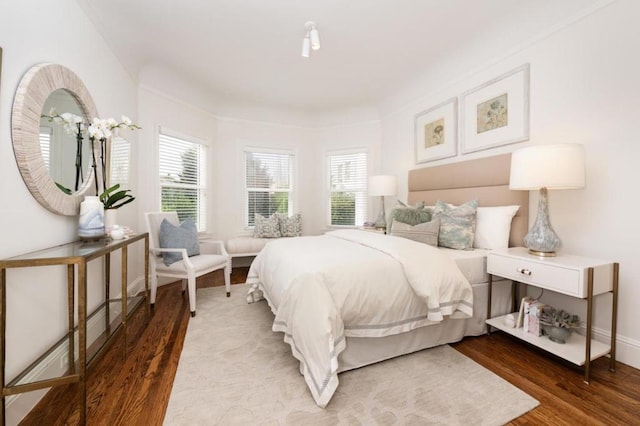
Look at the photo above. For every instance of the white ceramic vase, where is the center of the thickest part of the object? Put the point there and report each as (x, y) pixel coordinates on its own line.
(91, 221)
(110, 219)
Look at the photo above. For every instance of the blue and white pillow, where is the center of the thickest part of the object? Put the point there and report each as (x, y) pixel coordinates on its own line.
(184, 236)
(457, 224)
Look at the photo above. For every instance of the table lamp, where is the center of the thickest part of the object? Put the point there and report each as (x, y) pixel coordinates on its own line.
(382, 186)
(544, 167)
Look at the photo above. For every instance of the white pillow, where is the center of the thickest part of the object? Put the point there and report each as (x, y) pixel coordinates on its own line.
(493, 226)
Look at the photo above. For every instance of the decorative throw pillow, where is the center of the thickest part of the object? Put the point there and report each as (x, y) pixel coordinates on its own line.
(457, 224)
(426, 232)
(410, 215)
(266, 227)
(290, 226)
(493, 226)
(418, 205)
(184, 236)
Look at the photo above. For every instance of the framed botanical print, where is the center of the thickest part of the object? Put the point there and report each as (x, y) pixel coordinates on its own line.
(436, 132)
(496, 112)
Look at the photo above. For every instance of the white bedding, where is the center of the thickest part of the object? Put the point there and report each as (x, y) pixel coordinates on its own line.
(324, 288)
(472, 263)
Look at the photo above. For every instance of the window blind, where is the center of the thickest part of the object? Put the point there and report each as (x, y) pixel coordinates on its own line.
(182, 178)
(269, 185)
(347, 188)
(45, 146)
(119, 158)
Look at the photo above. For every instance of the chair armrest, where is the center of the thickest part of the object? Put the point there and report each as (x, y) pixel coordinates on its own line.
(182, 251)
(209, 246)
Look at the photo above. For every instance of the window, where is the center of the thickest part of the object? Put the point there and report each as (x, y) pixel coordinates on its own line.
(182, 178)
(269, 183)
(347, 188)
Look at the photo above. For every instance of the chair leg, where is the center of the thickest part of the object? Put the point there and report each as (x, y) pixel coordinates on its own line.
(154, 289)
(184, 286)
(227, 283)
(191, 286)
(227, 277)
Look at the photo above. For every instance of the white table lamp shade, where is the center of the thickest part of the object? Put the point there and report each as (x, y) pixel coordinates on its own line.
(558, 166)
(545, 167)
(383, 185)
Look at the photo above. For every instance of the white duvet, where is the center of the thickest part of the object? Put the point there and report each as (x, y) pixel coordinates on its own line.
(352, 283)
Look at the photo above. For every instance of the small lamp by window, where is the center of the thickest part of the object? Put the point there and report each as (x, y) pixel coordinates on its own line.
(545, 167)
(382, 186)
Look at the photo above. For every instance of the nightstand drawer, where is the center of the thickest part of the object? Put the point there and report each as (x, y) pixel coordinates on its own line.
(552, 277)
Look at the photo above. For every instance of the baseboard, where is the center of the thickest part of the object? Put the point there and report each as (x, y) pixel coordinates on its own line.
(19, 405)
(627, 350)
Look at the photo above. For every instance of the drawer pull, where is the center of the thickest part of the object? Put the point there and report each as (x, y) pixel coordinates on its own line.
(524, 271)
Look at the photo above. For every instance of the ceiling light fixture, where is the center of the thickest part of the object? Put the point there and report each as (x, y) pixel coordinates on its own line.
(311, 39)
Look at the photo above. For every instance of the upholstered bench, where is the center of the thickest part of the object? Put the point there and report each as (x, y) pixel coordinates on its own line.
(246, 246)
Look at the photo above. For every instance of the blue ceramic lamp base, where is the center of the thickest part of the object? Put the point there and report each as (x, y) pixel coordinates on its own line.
(542, 239)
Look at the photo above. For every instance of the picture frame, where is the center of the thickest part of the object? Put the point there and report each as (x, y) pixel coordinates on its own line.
(496, 113)
(436, 132)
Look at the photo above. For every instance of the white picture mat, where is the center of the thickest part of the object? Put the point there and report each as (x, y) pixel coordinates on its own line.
(516, 85)
(448, 111)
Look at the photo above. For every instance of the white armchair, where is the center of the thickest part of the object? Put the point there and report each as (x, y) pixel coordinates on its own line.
(213, 256)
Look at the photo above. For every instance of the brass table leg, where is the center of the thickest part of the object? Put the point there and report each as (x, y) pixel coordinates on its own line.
(70, 306)
(614, 316)
(3, 330)
(107, 291)
(82, 339)
(489, 291)
(587, 359)
(146, 274)
(124, 298)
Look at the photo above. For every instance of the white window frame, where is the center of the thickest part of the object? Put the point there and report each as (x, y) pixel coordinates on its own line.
(201, 223)
(292, 178)
(328, 190)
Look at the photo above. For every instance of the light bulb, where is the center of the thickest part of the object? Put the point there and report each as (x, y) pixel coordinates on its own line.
(306, 47)
(315, 38)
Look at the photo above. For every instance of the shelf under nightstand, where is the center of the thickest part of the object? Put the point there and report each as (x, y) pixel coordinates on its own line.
(574, 276)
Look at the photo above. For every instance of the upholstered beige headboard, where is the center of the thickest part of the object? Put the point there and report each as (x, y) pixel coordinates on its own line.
(486, 179)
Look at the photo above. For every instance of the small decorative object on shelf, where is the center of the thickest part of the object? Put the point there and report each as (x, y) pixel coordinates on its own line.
(558, 324)
(117, 233)
(91, 221)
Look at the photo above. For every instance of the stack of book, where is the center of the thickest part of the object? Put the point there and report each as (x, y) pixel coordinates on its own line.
(529, 316)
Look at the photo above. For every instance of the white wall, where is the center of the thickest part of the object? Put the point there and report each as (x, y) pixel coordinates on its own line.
(584, 89)
(32, 32)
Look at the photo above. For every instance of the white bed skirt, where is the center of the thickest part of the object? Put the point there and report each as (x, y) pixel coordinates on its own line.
(363, 351)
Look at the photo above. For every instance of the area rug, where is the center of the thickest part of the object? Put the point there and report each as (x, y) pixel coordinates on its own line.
(234, 370)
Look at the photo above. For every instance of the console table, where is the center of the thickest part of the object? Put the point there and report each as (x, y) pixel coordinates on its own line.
(75, 256)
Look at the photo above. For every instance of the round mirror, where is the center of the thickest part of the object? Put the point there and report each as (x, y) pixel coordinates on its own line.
(54, 163)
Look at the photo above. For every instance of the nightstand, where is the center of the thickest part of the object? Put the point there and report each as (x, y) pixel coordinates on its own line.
(574, 276)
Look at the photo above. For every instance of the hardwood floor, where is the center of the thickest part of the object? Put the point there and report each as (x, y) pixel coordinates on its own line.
(136, 390)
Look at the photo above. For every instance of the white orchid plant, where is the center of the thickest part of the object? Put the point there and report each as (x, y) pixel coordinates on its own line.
(99, 129)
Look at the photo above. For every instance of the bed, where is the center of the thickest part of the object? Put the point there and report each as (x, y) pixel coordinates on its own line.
(351, 298)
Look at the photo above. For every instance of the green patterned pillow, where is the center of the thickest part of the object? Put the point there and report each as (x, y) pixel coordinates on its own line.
(426, 232)
(457, 224)
(410, 215)
(266, 227)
